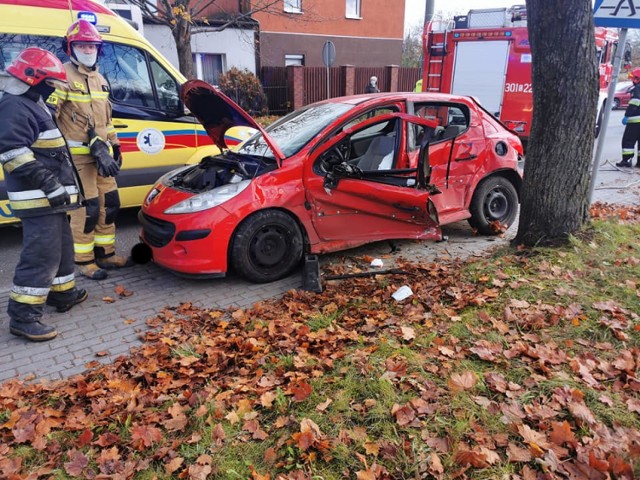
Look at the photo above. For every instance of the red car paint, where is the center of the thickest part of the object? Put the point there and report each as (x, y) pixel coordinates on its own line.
(623, 95)
(316, 183)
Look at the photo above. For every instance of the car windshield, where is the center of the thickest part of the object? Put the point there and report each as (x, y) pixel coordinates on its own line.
(294, 131)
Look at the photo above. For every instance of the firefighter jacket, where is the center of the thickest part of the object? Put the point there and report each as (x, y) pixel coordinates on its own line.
(34, 156)
(82, 104)
(633, 109)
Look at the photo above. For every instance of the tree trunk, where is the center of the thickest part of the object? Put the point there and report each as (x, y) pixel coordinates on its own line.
(555, 191)
(182, 36)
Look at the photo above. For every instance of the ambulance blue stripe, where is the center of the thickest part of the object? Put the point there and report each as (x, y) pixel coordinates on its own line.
(166, 133)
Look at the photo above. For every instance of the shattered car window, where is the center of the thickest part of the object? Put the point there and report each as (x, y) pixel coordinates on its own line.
(295, 130)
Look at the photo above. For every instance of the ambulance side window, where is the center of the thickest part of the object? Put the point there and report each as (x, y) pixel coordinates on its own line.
(11, 44)
(167, 88)
(125, 68)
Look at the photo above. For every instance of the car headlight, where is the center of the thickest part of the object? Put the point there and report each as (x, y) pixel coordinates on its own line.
(209, 199)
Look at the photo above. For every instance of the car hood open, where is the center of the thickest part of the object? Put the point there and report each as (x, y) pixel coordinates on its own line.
(217, 113)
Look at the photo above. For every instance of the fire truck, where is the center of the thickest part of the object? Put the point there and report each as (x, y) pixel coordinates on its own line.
(486, 54)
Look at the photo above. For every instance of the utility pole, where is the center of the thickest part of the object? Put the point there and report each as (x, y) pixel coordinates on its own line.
(429, 7)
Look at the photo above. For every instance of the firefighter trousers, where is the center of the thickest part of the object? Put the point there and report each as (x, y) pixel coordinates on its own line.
(630, 137)
(93, 227)
(45, 269)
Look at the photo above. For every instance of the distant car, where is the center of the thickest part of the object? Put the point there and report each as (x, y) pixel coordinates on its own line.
(623, 95)
(330, 176)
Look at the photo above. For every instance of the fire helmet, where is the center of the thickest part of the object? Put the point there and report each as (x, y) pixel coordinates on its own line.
(635, 74)
(82, 31)
(34, 65)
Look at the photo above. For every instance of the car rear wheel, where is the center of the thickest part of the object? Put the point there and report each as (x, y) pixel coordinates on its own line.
(267, 246)
(616, 103)
(494, 206)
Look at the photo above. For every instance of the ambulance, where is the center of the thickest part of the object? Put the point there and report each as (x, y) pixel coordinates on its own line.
(486, 54)
(156, 133)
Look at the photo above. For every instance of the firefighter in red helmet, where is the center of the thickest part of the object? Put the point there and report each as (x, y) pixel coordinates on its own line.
(631, 119)
(84, 114)
(42, 186)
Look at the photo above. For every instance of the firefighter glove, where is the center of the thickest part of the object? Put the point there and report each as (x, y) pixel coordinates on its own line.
(117, 155)
(625, 120)
(59, 197)
(99, 149)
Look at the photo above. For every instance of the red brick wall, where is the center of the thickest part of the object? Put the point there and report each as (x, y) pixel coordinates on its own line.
(371, 41)
(380, 19)
(220, 6)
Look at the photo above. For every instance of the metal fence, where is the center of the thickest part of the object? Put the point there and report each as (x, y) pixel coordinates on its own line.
(315, 84)
(274, 84)
(407, 78)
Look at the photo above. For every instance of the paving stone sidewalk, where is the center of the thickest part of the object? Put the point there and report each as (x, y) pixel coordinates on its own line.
(98, 331)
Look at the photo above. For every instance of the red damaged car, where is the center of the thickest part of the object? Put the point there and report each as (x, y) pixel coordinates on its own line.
(330, 176)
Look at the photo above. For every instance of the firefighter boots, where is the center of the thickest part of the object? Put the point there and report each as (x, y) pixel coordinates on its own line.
(114, 261)
(34, 331)
(65, 301)
(92, 271)
(623, 163)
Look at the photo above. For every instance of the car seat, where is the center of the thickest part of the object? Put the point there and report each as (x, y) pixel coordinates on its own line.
(379, 148)
(453, 131)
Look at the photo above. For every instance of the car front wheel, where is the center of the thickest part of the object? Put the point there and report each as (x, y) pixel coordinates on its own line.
(494, 206)
(616, 104)
(267, 246)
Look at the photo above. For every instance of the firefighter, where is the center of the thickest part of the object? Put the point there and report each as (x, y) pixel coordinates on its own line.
(84, 114)
(42, 186)
(631, 119)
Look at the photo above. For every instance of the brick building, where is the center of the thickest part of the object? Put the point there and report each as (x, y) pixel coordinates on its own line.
(366, 33)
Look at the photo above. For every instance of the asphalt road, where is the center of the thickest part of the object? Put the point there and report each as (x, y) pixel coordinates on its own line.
(128, 228)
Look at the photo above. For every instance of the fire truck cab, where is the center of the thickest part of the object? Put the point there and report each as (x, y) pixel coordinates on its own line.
(486, 54)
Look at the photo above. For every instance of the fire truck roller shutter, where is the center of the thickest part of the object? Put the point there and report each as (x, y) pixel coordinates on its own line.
(480, 70)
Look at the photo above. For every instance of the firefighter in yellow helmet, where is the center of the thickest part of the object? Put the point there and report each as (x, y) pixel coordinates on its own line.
(84, 115)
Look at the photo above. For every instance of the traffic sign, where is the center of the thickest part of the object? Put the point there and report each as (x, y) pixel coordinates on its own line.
(328, 53)
(617, 13)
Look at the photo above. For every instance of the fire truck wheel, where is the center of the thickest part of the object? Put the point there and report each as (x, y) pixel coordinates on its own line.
(494, 206)
(267, 246)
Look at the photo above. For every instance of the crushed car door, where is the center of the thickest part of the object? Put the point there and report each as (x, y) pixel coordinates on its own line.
(455, 155)
(364, 198)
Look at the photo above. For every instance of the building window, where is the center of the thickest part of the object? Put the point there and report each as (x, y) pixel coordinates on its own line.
(293, 60)
(353, 9)
(208, 67)
(293, 6)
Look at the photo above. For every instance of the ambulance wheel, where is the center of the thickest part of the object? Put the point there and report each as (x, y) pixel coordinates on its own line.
(494, 206)
(267, 246)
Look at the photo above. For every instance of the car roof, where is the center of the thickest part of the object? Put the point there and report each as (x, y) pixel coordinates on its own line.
(400, 96)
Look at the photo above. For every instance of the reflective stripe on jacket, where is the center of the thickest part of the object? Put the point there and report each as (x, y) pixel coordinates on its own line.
(633, 109)
(30, 145)
(84, 102)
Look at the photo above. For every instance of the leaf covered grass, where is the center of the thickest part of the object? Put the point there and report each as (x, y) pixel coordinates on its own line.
(522, 365)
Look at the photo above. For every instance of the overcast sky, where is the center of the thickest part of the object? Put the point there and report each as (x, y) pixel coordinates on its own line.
(414, 10)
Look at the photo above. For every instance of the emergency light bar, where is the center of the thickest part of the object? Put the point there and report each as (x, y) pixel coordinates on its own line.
(88, 16)
(481, 34)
